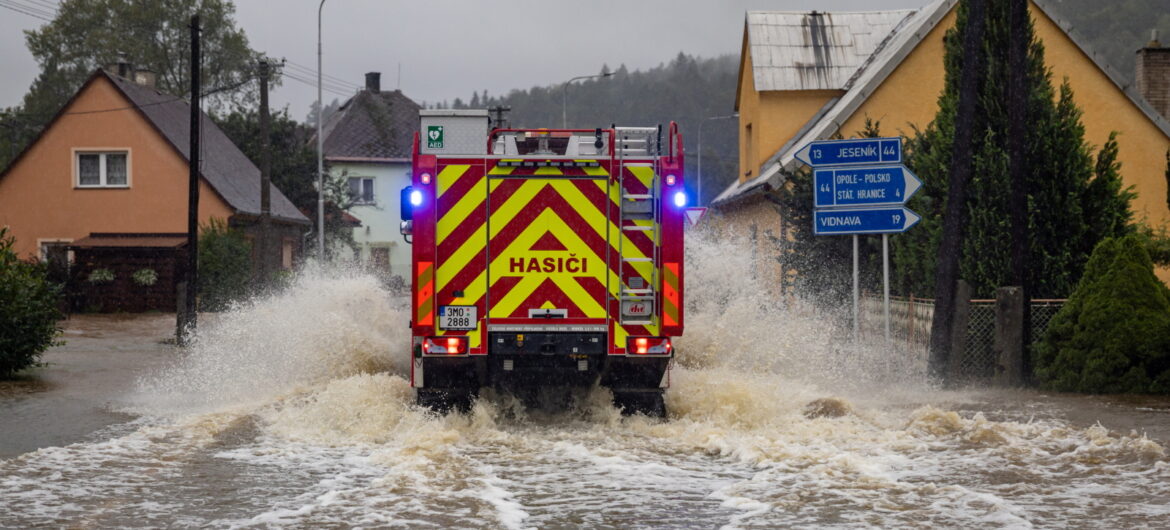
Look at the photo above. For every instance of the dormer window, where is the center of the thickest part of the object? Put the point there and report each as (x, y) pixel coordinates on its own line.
(102, 169)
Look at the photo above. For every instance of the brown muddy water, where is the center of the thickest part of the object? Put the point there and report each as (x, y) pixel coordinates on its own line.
(294, 411)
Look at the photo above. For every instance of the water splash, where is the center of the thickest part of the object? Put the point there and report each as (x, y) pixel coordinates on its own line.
(329, 323)
(314, 424)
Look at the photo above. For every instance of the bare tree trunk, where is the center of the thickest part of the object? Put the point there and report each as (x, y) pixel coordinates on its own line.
(951, 247)
(1018, 166)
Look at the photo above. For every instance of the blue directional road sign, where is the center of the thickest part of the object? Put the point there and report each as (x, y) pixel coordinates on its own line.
(863, 221)
(864, 186)
(851, 152)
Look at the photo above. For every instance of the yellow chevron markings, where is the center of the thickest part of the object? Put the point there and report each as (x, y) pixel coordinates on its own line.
(448, 176)
(547, 221)
(472, 248)
(473, 199)
(644, 174)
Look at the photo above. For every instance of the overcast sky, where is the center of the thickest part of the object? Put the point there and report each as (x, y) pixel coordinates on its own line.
(449, 48)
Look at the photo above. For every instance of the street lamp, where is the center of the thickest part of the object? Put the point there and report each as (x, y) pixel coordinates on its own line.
(564, 94)
(320, 148)
(699, 191)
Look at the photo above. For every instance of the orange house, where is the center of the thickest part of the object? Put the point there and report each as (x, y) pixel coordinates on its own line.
(114, 161)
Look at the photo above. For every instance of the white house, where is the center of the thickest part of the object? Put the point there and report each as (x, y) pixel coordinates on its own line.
(368, 142)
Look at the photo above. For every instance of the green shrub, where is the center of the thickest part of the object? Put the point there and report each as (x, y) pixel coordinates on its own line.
(28, 310)
(225, 266)
(1113, 335)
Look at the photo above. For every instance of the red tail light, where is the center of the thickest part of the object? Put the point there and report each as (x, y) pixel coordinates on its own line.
(649, 345)
(445, 346)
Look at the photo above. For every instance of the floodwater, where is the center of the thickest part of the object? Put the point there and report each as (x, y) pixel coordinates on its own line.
(295, 411)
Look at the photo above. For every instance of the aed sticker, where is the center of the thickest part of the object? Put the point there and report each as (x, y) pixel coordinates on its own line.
(434, 137)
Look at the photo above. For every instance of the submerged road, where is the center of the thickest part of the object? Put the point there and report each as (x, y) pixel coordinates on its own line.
(281, 417)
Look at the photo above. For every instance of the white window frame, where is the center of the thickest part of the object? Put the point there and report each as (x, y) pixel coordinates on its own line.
(102, 151)
(361, 186)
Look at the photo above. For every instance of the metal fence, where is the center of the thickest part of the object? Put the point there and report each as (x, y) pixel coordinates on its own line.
(910, 321)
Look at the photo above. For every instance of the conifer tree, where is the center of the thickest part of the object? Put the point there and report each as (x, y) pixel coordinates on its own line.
(1073, 202)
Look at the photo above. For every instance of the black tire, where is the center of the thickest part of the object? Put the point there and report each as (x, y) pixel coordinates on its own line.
(650, 403)
(444, 400)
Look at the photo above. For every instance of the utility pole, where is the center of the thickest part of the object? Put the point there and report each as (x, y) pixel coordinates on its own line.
(188, 321)
(1018, 167)
(499, 115)
(265, 180)
(320, 147)
(951, 246)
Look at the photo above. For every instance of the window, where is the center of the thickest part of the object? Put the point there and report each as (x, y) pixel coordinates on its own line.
(103, 169)
(56, 255)
(380, 259)
(748, 154)
(361, 189)
(286, 254)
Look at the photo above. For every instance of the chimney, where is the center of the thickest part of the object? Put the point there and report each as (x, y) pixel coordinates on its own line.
(1153, 75)
(146, 78)
(374, 82)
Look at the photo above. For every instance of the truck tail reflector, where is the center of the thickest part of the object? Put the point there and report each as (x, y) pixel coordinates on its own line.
(445, 346)
(649, 345)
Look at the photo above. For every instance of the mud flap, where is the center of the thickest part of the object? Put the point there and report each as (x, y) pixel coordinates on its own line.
(417, 374)
(444, 400)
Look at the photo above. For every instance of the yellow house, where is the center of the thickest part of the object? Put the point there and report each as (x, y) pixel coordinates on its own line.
(808, 76)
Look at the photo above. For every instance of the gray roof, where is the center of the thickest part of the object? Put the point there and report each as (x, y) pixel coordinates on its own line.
(372, 127)
(229, 172)
(901, 40)
(814, 51)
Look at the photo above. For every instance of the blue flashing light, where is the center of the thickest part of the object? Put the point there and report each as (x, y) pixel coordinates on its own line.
(680, 199)
(416, 198)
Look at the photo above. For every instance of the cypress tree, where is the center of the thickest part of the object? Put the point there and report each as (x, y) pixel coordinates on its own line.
(1073, 202)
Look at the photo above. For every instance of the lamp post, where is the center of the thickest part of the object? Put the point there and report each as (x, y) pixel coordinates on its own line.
(565, 97)
(699, 192)
(320, 147)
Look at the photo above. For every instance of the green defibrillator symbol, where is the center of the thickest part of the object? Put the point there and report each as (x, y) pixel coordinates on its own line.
(434, 137)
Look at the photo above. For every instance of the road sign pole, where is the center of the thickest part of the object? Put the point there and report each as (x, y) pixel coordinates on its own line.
(886, 281)
(856, 291)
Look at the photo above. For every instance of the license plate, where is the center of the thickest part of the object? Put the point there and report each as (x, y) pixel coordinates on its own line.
(457, 317)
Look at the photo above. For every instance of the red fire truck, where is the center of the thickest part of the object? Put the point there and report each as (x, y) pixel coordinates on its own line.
(544, 258)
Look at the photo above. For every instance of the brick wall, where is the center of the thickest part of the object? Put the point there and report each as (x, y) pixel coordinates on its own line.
(1153, 78)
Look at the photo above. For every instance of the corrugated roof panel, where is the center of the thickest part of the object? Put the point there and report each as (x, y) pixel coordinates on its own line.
(814, 51)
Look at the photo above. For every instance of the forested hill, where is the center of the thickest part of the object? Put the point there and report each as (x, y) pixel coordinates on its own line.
(686, 90)
(1117, 28)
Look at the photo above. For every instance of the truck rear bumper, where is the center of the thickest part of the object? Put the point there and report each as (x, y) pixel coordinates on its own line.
(520, 370)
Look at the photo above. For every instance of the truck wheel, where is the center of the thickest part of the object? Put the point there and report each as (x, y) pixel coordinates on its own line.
(650, 403)
(444, 400)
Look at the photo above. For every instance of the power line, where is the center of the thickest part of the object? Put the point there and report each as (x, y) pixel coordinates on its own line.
(312, 71)
(347, 88)
(49, 12)
(335, 92)
(55, 6)
(23, 11)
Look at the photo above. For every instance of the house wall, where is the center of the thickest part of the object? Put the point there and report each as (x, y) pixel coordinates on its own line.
(380, 221)
(38, 199)
(773, 118)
